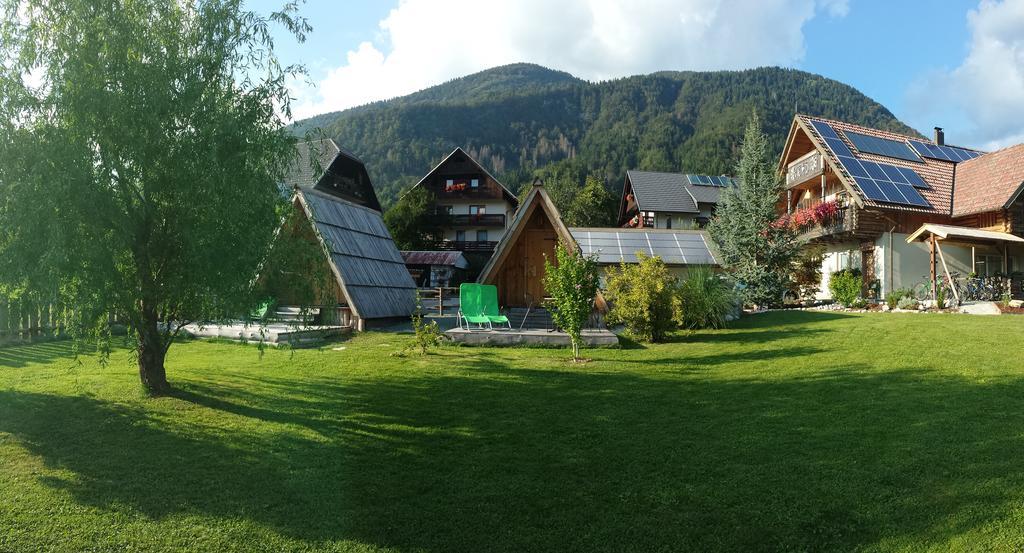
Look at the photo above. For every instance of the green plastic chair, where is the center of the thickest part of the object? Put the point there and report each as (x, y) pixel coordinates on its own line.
(470, 309)
(489, 302)
(262, 309)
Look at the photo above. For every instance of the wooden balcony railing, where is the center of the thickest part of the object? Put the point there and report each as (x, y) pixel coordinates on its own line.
(811, 165)
(478, 220)
(844, 221)
(465, 245)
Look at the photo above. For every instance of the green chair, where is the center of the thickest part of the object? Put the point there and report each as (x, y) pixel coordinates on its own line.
(489, 302)
(470, 308)
(262, 310)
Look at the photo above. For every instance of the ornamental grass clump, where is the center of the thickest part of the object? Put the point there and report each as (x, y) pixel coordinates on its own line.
(703, 300)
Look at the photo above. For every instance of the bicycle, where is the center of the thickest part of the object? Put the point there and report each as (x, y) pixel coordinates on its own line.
(950, 286)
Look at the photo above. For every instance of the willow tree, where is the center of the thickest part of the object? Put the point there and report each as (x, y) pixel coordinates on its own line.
(141, 147)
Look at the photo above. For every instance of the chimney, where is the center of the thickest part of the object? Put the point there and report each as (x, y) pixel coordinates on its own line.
(940, 137)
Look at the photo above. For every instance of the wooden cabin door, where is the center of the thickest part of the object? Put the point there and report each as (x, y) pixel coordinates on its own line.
(538, 243)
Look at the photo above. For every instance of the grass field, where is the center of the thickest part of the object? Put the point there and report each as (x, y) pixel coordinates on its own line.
(788, 432)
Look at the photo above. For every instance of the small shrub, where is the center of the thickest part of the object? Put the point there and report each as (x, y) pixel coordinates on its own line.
(572, 284)
(427, 335)
(892, 299)
(703, 300)
(845, 286)
(806, 275)
(1006, 299)
(641, 296)
(906, 302)
(940, 297)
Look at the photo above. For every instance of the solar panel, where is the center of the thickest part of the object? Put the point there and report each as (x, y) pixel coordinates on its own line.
(946, 153)
(880, 182)
(824, 129)
(882, 146)
(708, 180)
(674, 248)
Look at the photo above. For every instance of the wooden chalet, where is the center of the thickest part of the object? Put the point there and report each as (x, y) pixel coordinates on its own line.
(478, 208)
(653, 199)
(867, 194)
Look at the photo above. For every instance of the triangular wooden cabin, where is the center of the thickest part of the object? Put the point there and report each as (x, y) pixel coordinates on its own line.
(517, 266)
(333, 192)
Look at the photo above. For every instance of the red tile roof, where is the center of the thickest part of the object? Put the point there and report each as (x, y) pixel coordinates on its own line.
(989, 182)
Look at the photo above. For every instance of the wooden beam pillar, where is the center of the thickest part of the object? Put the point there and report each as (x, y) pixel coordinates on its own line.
(822, 198)
(949, 276)
(789, 201)
(931, 264)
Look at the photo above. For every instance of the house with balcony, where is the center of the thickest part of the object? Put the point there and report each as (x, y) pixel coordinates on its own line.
(669, 200)
(902, 209)
(477, 205)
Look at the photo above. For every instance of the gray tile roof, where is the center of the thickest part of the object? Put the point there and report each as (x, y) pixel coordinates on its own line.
(662, 192)
(372, 270)
(313, 159)
(705, 194)
(671, 192)
(675, 247)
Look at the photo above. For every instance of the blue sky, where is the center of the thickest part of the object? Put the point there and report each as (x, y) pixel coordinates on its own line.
(926, 61)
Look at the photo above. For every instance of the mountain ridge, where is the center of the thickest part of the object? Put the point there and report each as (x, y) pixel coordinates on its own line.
(521, 118)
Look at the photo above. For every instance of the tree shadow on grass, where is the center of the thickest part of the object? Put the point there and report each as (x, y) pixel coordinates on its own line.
(489, 456)
(47, 351)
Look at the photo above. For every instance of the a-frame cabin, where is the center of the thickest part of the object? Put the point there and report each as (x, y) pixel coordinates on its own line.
(517, 266)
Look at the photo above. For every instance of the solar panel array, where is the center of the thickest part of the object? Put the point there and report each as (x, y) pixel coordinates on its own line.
(948, 153)
(674, 248)
(880, 182)
(708, 180)
(882, 146)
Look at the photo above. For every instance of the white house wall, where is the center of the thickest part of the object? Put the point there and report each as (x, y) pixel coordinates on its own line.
(837, 257)
(906, 265)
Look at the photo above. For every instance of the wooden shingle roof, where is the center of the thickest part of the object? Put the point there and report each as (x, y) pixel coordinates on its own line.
(367, 265)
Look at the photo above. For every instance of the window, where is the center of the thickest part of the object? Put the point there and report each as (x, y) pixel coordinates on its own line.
(481, 236)
(847, 260)
(477, 209)
(460, 236)
(989, 265)
(449, 209)
(668, 221)
(475, 183)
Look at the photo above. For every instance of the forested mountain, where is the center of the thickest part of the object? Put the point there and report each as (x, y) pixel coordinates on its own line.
(519, 118)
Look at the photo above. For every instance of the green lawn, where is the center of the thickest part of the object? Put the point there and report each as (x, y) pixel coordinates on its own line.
(798, 432)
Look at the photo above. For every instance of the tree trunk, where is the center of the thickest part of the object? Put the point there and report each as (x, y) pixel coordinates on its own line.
(151, 355)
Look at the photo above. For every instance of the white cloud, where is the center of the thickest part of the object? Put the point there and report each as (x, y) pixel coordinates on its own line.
(426, 42)
(987, 89)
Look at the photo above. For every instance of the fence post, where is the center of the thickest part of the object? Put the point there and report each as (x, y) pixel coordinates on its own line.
(440, 301)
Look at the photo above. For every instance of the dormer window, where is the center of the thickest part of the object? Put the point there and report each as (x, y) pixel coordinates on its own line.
(474, 183)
